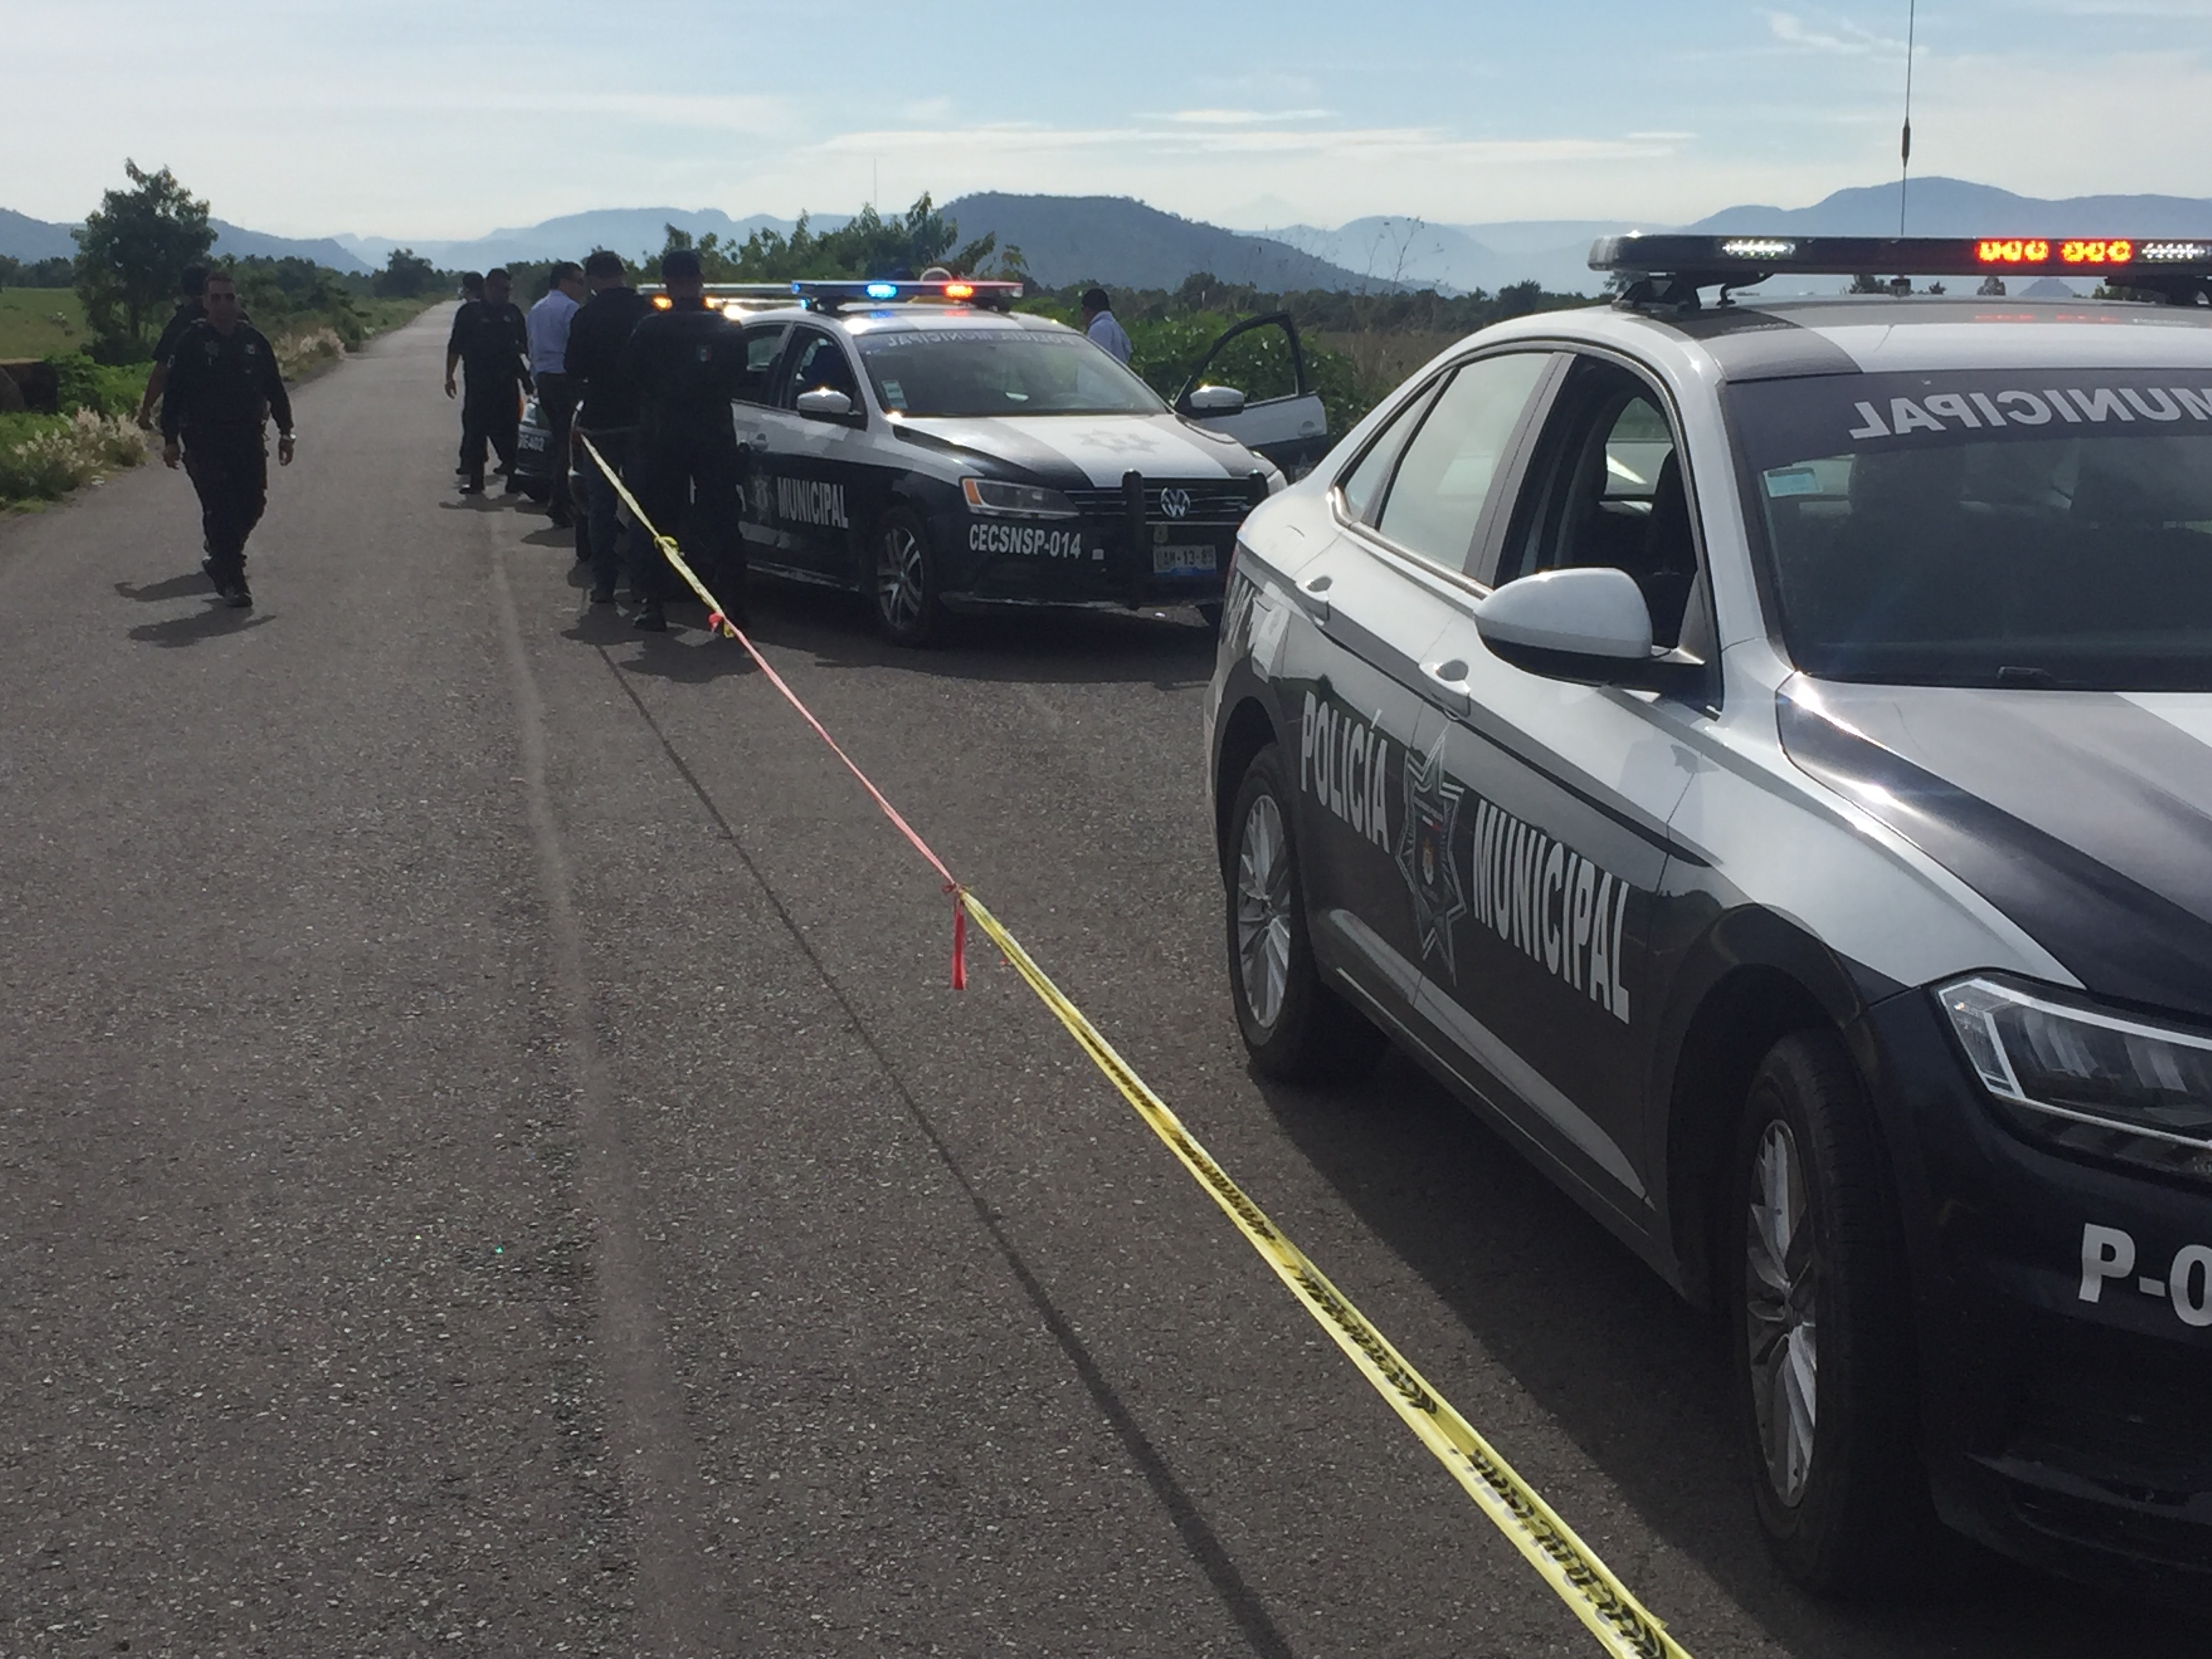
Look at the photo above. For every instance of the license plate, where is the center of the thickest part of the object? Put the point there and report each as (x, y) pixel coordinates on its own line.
(1187, 561)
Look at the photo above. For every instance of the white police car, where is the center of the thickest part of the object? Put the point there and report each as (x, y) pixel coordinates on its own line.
(917, 442)
(1760, 756)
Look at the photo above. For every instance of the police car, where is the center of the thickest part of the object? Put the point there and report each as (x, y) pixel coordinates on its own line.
(1760, 756)
(920, 443)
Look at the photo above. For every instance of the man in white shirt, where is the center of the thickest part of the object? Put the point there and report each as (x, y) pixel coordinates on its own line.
(1098, 323)
(547, 324)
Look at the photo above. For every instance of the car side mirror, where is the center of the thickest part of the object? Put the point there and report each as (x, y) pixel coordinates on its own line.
(824, 405)
(1215, 400)
(1587, 625)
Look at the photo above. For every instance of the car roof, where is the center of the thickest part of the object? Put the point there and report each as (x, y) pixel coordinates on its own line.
(1764, 339)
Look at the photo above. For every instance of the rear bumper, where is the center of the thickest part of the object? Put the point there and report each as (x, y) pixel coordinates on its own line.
(2067, 1415)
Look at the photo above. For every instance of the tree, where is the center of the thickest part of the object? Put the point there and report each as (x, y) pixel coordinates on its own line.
(133, 246)
(405, 275)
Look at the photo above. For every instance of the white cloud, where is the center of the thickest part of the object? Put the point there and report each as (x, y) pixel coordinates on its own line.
(1845, 38)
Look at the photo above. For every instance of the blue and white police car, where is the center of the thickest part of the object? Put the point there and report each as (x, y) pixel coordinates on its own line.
(922, 444)
(1759, 755)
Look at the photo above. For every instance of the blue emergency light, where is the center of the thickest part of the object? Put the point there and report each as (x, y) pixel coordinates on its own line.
(830, 296)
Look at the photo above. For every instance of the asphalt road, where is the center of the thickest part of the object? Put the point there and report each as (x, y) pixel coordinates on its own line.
(489, 1161)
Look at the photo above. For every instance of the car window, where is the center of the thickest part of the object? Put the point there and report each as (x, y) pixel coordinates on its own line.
(819, 363)
(1362, 487)
(1607, 489)
(763, 345)
(1435, 499)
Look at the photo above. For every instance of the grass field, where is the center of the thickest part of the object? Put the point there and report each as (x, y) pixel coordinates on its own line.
(37, 322)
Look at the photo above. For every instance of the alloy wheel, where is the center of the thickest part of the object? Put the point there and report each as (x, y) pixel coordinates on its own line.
(1781, 1297)
(901, 590)
(1263, 910)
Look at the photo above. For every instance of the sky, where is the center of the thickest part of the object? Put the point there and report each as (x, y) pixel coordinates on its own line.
(398, 118)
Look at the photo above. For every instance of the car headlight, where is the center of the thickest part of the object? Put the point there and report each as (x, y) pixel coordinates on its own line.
(1029, 500)
(2086, 1078)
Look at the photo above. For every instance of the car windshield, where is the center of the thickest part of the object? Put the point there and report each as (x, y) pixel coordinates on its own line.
(999, 372)
(2009, 528)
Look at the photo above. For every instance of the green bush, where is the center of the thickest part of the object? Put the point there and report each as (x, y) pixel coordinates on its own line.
(103, 388)
(44, 456)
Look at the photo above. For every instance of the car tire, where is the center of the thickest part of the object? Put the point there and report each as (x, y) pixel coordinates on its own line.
(1821, 1344)
(1296, 1028)
(902, 579)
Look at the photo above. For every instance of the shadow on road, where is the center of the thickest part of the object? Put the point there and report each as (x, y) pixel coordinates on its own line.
(209, 624)
(173, 587)
(1634, 1376)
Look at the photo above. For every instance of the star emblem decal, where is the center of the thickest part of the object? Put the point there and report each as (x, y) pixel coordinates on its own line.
(1425, 854)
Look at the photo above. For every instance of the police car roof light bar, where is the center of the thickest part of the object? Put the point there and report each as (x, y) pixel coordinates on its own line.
(830, 296)
(1670, 269)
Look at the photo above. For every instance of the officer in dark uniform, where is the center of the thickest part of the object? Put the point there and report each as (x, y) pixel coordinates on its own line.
(598, 336)
(191, 286)
(222, 385)
(686, 361)
(490, 339)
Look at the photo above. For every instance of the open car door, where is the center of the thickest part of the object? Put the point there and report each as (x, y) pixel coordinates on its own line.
(1258, 393)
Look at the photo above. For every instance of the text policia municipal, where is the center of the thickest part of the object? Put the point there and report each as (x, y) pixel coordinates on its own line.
(1561, 909)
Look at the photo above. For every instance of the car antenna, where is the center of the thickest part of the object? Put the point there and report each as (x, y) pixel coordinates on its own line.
(1904, 147)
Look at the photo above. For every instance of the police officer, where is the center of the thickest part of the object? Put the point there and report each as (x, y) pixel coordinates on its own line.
(686, 361)
(191, 286)
(598, 338)
(492, 340)
(548, 324)
(222, 385)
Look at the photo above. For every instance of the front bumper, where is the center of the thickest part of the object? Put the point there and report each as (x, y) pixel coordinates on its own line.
(2070, 1432)
(1150, 543)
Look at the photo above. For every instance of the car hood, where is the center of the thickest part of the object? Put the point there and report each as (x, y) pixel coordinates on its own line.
(2086, 817)
(1091, 450)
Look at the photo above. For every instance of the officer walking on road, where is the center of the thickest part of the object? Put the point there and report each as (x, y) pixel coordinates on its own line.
(686, 361)
(492, 341)
(192, 289)
(547, 324)
(223, 385)
(599, 338)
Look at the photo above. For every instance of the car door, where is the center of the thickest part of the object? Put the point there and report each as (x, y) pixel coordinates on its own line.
(1281, 417)
(751, 401)
(816, 463)
(1368, 610)
(1561, 793)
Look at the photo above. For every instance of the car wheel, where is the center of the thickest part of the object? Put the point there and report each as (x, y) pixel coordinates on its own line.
(905, 577)
(1821, 1347)
(1296, 1027)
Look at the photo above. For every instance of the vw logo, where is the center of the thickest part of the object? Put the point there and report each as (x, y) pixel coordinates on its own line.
(1175, 503)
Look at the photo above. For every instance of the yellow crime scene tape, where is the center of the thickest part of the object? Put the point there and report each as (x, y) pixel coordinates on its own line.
(1622, 1624)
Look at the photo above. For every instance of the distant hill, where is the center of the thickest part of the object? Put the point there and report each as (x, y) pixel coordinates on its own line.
(1455, 258)
(628, 231)
(1954, 207)
(233, 242)
(1125, 244)
(25, 238)
(22, 237)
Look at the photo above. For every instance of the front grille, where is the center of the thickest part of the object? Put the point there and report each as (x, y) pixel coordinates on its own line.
(1213, 501)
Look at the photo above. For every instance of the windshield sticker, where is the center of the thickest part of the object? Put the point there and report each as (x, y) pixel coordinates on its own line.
(1793, 481)
(894, 394)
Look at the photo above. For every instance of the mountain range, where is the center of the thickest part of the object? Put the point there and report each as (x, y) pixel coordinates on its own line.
(1124, 243)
